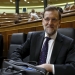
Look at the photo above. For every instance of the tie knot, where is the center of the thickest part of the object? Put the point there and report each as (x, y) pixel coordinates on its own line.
(47, 38)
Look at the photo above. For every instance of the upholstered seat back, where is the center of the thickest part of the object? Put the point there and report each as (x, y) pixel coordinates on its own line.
(30, 33)
(17, 39)
(70, 32)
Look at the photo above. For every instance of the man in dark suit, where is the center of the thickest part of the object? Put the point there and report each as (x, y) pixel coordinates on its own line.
(60, 58)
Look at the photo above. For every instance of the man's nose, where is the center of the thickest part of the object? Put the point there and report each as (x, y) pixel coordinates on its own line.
(50, 21)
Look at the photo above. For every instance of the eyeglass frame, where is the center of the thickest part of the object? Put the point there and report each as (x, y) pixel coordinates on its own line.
(53, 19)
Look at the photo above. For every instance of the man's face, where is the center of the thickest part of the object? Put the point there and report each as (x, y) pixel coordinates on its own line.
(51, 22)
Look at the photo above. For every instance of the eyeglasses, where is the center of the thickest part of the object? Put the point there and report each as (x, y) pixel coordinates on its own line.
(53, 19)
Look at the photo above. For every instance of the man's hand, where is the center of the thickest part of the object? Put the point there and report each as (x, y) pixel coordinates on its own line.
(48, 67)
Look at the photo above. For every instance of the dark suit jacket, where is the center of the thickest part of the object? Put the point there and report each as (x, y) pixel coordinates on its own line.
(63, 55)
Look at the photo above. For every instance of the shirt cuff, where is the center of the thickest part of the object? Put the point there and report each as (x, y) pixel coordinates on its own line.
(53, 70)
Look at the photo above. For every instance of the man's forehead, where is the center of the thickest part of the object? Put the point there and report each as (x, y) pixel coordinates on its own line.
(53, 13)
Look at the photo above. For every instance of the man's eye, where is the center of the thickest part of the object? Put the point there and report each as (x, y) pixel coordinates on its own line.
(54, 19)
(47, 19)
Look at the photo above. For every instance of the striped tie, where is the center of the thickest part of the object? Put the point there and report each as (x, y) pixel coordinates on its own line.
(43, 53)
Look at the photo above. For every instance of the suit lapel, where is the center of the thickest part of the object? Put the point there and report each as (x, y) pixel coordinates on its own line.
(39, 45)
(56, 48)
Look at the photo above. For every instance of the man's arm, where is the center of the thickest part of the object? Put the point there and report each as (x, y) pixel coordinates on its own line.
(21, 52)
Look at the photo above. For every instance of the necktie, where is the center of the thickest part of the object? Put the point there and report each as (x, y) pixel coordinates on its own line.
(43, 53)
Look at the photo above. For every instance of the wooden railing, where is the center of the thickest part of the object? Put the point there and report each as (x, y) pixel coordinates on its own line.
(68, 17)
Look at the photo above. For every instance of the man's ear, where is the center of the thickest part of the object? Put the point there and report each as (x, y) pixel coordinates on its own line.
(42, 20)
(59, 23)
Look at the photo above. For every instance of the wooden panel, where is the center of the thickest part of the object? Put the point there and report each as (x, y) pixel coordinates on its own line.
(38, 28)
(69, 18)
(6, 38)
(26, 30)
(73, 23)
(66, 25)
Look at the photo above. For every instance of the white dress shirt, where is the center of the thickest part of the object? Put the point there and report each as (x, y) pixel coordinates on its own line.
(50, 48)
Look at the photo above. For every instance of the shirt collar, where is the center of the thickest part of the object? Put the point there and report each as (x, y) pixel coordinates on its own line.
(52, 37)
